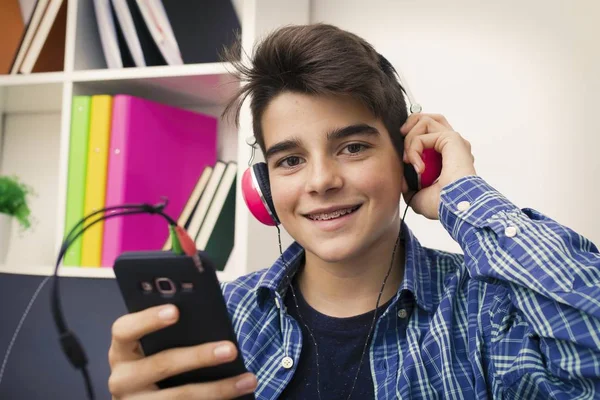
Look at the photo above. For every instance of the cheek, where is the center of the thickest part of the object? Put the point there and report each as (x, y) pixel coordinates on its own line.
(381, 189)
(380, 182)
(284, 192)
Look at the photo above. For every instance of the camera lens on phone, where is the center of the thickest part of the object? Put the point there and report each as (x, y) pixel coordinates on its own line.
(165, 285)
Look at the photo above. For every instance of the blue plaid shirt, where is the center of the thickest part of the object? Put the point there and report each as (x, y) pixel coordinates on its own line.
(516, 317)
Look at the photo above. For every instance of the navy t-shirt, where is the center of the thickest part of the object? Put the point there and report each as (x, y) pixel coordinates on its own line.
(340, 344)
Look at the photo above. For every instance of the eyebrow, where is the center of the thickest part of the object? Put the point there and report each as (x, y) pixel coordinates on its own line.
(351, 130)
(335, 134)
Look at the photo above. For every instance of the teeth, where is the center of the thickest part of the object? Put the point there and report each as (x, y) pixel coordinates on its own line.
(332, 215)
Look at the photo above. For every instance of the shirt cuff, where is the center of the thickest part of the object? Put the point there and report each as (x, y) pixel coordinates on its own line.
(470, 203)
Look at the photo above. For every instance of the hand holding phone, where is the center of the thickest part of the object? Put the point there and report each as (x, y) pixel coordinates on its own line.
(176, 341)
(133, 374)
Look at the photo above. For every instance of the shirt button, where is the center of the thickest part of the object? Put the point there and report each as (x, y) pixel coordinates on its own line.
(287, 362)
(463, 205)
(510, 231)
(402, 313)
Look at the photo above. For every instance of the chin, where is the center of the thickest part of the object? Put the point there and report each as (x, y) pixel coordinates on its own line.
(335, 250)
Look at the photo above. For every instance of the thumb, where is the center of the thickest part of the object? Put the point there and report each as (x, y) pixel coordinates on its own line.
(425, 201)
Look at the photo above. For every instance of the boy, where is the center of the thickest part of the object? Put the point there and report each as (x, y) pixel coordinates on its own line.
(518, 316)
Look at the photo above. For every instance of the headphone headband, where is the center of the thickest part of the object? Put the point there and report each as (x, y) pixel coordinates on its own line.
(386, 67)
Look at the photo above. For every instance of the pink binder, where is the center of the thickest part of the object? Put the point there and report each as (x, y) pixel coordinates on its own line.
(156, 150)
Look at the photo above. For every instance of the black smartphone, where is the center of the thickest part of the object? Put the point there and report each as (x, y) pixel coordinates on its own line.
(148, 279)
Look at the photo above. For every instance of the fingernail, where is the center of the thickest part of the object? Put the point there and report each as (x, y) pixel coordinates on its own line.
(416, 168)
(223, 352)
(246, 383)
(167, 313)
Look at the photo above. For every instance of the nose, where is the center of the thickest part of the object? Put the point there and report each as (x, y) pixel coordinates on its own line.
(323, 176)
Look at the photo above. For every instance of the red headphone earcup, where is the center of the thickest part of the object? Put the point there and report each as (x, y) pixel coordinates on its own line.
(256, 190)
(433, 168)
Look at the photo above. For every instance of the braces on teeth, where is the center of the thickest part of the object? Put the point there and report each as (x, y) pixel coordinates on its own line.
(335, 214)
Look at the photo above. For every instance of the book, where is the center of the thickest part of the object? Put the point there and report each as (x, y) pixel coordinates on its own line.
(125, 20)
(107, 30)
(52, 55)
(36, 18)
(77, 167)
(157, 151)
(201, 29)
(96, 177)
(217, 234)
(137, 33)
(192, 203)
(161, 33)
(204, 203)
(126, 56)
(46, 52)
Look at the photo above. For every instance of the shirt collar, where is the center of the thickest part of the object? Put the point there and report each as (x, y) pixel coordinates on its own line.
(417, 272)
(276, 278)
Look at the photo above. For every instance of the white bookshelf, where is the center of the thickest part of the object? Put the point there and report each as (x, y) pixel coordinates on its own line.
(35, 115)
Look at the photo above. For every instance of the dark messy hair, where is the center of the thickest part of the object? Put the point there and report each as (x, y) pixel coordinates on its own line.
(317, 59)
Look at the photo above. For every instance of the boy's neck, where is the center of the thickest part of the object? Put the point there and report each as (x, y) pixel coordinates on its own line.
(352, 288)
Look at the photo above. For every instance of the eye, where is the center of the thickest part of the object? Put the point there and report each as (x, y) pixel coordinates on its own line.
(355, 148)
(290, 162)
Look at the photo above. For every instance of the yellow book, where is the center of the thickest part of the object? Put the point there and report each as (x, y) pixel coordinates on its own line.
(95, 187)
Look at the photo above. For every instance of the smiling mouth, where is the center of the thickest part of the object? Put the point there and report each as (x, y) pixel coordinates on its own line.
(332, 215)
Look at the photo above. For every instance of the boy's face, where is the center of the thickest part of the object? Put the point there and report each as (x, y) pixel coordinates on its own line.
(335, 175)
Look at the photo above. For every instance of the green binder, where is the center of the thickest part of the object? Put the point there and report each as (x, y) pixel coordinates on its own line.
(78, 143)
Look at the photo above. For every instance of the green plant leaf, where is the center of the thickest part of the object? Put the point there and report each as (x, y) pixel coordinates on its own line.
(14, 199)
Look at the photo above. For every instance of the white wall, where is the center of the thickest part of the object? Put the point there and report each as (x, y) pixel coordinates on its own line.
(27, 134)
(520, 80)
